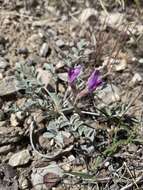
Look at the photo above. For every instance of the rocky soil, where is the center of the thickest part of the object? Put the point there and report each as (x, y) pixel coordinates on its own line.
(54, 135)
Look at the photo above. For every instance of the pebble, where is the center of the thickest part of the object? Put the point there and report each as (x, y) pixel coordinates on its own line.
(107, 164)
(10, 85)
(2, 40)
(20, 115)
(44, 142)
(46, 78)
(132, 148)
(141, 60)
(61, 88)
(136, 78)
(23, 50)
(109, 94)
(3, 63)
(38, 175)
(44, 50)
(23, 182)
(33, 60)
(121, 66)
(63, 76)
(8, 179)
(20, 158)
(60, 43)
(13, 120)
(5, 149)
(86, 14)
(66, 167)
(59, 65)
(114, 20)
(1, 76)
(3, 123)
(71, 158)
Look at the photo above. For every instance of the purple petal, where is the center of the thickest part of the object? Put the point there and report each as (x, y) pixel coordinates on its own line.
(73, 73)
(94, 81)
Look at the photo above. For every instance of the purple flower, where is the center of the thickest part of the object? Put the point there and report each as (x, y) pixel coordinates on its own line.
(73, 73)
(94, 81)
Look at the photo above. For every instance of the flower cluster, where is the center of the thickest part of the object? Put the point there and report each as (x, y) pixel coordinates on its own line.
(93, 82)
(73, 74)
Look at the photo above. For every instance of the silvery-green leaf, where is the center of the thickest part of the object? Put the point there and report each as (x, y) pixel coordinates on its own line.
(81, 44)
(59, 138)
(49, 134)
(55, 99)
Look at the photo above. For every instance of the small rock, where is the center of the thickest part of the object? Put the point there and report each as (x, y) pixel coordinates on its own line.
(121, 66)
(10, 135)
(109, 94)
(114, 20)
(52, 32)
(63, 76)
(3, 63)
(46, 78)
(5, 149)
(34, 42)
(44, 50)
(40, 177)
(71, 158)
(86, 14)
(20, 158)
(40, 23)
(134, 60)
(20, 115)
(60, 43)
(132, 148)
(61, 88)
(106, 164)
(3, 40)
(44, 142)
(51, 183)
(10, 85)
(66, 167)
(136, 79)
(52, 142)
(8, 179)
(2, 50)
(33, 60)
(141, 60)
(13, 120)
(1, 76)
(23, 182)
(2, 123)
(23, 50)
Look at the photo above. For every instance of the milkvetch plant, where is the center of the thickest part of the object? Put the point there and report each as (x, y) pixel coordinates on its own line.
(73, 74)
(93, 81)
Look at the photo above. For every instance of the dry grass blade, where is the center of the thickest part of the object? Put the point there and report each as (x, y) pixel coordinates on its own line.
(129, 186)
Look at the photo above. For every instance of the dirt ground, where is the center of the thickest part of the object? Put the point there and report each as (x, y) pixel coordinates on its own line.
(59, 134)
